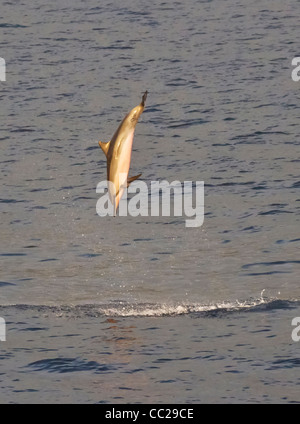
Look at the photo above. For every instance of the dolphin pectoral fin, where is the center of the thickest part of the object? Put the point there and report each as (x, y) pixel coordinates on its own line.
(104, 146)
(130, 179)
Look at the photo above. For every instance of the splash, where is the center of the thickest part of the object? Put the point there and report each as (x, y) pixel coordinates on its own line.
(165, 309)
(126, 309)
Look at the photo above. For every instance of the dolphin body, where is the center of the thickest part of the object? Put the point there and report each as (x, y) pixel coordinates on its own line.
(118, 154)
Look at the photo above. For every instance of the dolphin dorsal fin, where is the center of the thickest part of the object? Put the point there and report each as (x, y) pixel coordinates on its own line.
(130, 179)
(104, 146)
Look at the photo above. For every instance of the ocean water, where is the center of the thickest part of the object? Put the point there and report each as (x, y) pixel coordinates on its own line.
(144, 309)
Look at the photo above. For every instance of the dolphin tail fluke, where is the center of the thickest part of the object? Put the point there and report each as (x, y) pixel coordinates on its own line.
(144, 98)
(104, 146)
(130, 179)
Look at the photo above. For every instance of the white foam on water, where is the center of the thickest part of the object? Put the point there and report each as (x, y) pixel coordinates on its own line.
(152, 310)
(125, 309)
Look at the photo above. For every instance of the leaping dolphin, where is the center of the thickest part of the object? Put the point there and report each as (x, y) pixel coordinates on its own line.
(118, 154)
